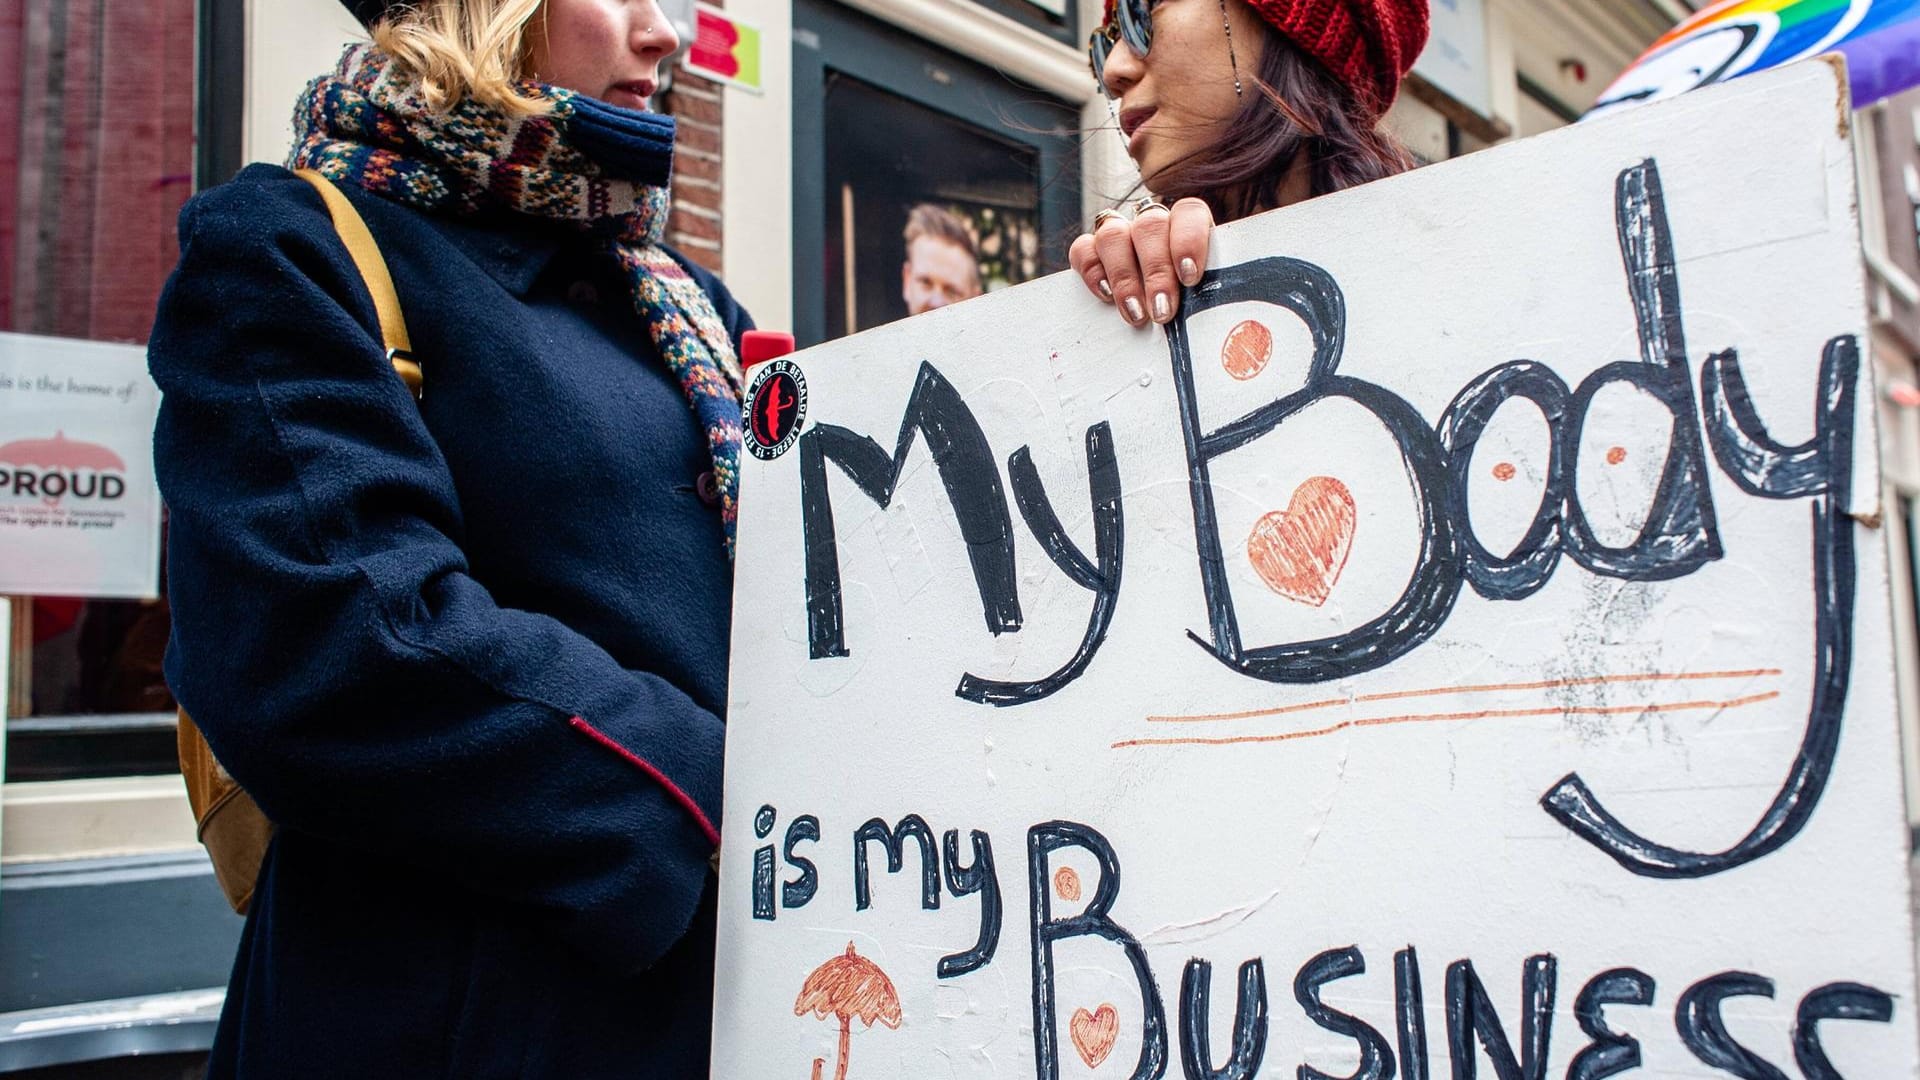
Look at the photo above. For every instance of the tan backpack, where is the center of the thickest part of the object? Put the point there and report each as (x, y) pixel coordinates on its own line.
(231, 825)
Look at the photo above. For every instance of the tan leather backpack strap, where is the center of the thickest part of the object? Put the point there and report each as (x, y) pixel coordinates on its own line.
(373, 270)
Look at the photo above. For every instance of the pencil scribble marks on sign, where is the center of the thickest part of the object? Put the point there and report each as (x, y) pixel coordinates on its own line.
(1067, 883)
(1094, 1033)
(1300, 551)
(848, 987)
(1248, 348)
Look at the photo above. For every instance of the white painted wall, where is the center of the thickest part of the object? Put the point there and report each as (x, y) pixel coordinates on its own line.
(288, 43)
(757, 177)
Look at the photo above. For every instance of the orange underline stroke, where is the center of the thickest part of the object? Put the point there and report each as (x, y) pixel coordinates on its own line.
(1397, 695)
(1479, 714)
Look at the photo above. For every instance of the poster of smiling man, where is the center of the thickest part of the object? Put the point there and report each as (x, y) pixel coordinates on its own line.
(1456, 646)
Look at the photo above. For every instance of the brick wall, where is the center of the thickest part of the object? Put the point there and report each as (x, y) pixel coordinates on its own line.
(13, 43)
(97, 119)
(695, 225)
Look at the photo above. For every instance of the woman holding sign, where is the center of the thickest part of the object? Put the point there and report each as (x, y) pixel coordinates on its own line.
(466, 651)
(1232, 107)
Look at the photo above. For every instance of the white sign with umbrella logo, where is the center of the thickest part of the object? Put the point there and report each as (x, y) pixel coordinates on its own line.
(79, 507)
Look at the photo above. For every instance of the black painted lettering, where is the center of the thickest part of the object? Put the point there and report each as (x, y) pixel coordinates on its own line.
(1697, 1018)
(1610, 1053)
(1410, 1013)
(1834, 1001)
(1312, 295)
(1250, 1022)
(967, 470)
(1092, 921)
(894, 841)
(1470, 1013)
(763, 865)
(797, 893)
(1521, 572)
(1820, 470)
(1103, 580)
(966, 880)
(1376, 1057)
(1680, 535)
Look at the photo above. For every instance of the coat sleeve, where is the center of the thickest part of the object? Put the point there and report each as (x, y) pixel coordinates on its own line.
(332, 644)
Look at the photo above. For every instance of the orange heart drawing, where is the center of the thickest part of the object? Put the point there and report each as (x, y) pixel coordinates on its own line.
(1300, 551)
(1094, 1033)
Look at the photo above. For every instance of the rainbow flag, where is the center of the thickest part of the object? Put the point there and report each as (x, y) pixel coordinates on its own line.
(1880, 39)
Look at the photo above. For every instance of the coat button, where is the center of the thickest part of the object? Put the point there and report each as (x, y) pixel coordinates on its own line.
(583, 292)
(708, 488)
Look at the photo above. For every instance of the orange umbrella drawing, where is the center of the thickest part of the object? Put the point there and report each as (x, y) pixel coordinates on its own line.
(848, 986)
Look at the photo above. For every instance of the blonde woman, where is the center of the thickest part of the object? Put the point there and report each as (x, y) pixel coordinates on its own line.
(468, 653)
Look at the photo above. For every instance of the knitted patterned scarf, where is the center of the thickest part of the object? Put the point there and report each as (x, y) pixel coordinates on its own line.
(585, 164)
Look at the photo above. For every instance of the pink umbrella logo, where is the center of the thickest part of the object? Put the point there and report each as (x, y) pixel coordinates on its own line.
(59, 461)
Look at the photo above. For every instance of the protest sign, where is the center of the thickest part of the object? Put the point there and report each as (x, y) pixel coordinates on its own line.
(1459, 642)
(79, 506)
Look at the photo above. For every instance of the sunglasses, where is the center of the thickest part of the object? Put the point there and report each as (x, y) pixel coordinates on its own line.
(1132, 23)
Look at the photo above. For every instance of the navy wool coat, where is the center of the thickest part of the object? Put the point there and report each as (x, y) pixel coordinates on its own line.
(468, 653)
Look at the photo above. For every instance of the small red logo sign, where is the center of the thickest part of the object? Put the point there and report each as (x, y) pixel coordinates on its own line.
(776, 407)
(713, 41)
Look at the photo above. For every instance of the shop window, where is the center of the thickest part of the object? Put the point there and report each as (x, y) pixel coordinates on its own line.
(886, 123)
(892, 166)
(97, 155)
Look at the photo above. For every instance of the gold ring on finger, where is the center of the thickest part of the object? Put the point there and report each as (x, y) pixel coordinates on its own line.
(1142, 205)
(1102, 217)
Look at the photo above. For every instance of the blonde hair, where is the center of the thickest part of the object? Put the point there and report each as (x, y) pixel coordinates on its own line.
(461, 49)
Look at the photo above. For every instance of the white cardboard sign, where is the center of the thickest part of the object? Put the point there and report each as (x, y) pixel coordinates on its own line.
(1458, 646)
(79, 506)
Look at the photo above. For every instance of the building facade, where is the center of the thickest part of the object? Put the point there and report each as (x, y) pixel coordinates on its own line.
(1887, 140)
(794, 177)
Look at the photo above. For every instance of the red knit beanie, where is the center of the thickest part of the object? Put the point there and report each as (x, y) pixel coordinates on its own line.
(1368, 45)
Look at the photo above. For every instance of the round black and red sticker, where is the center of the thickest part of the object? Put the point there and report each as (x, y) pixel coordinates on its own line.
(776, 407)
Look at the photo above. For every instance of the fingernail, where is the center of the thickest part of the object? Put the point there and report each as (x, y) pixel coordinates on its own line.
(1161, 309)
(1133, 309)
(1189, 272)
(1106, 290)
